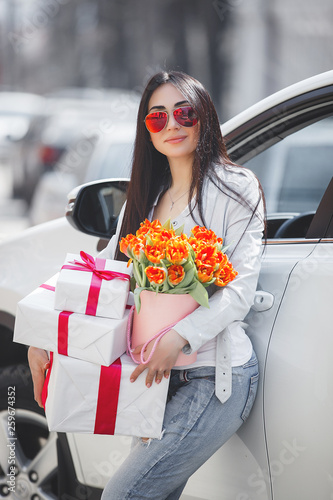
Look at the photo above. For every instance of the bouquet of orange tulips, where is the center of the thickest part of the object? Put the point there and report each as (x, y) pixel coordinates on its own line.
(168, 261)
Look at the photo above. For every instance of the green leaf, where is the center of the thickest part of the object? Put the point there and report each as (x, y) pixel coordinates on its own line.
(188, 277)
(166, 286)
(179, 230)
(223, 249)
(167, 225)
(199, 293)
(181, 291)
(136, 272)
(133, 283)
(137, 300)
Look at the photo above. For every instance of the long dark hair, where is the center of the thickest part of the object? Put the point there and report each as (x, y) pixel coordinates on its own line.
(150, 171)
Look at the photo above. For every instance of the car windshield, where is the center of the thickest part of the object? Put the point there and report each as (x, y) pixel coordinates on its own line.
(308, 170)
(115, 162)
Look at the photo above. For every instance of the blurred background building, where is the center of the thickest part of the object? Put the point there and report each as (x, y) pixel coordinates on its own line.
(242, 50)
(72, 71)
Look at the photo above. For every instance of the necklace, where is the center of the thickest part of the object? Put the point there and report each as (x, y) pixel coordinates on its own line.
(173, 202)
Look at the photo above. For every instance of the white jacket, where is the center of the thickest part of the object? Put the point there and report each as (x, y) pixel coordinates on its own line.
(229, 305)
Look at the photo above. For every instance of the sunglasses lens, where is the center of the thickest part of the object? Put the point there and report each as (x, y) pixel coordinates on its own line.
(155, 122)
(186, 116)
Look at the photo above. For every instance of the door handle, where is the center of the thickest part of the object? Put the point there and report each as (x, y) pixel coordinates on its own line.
(262, 301)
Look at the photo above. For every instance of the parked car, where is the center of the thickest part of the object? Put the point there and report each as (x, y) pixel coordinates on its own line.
(17, 112)
(285, 449)
(66, 120)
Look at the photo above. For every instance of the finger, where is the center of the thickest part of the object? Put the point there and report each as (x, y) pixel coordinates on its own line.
(138, 370)
(137, 349)
(38, 383)
(150, 377)
(38, 388)
(159, 376)
(167, 373)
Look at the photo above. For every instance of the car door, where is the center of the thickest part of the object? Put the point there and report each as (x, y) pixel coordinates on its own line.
(297, 380)
(286, 447)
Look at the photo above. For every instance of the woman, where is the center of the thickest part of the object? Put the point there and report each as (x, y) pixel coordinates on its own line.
(181, 172)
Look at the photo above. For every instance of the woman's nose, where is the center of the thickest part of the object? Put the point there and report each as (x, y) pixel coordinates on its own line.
(172, 123)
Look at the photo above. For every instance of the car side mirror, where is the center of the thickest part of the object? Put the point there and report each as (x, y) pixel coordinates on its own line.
(94, 208)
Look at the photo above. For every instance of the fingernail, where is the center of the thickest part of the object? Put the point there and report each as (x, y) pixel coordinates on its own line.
(148, 385)
(131, 379)
(158, 381)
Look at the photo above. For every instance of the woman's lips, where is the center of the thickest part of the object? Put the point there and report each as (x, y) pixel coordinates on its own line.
(176, 139)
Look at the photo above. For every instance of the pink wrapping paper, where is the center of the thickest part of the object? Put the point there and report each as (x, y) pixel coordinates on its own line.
(157, 312)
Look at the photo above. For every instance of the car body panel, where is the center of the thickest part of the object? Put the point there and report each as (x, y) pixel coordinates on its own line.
(30, 258)
(302, 406)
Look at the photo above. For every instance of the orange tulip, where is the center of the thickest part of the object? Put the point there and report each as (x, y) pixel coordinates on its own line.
(222, 259)
(156, 275)
(126, 242)
(205, 274)
(176, 274)
(195, 244)
(162, 237)
(147, 226)
(201, 233)
(177, 251)
(155, 253)
(207, 256)
(137, 248)
(225, 275)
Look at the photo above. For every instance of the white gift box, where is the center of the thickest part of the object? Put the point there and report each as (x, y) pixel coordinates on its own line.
(94, 339)
(80, 289)
(82, 397)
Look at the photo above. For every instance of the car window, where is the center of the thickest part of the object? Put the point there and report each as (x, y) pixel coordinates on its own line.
(295, 172)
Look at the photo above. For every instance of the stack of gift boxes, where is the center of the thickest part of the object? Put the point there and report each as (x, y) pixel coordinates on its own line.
(80, 316)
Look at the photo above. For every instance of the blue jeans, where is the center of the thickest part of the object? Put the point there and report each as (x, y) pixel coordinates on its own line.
(196, 424)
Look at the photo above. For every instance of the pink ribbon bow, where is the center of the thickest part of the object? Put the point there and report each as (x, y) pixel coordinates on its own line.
(96, 267)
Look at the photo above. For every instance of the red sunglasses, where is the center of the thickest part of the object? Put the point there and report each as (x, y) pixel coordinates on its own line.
(157, 121)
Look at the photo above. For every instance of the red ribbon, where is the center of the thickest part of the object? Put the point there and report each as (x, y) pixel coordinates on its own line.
(62, 326)
(96, 267)
(63, 332)
(108, 395)
(46, 381)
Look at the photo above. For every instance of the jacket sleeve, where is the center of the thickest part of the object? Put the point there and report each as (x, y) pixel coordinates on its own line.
(231, 303)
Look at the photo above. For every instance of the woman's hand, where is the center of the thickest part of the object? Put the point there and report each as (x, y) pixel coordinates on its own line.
(39, 363)
(163, 359)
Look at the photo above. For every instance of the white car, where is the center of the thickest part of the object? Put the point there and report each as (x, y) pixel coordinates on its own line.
(285, 449)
